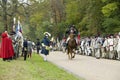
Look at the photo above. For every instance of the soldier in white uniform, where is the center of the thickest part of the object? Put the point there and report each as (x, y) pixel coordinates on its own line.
(116, 38)
(87, 47)
(93, 46)
(111, 47)
(98, 47)
(118, 47)
(106, 48)
(83, 46)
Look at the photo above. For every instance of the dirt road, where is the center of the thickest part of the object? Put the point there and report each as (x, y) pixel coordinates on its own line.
(87, 67)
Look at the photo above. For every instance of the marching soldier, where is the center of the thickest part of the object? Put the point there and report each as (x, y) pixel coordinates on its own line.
(45, 46)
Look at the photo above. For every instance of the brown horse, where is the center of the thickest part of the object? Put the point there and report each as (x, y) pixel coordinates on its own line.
(71, 46)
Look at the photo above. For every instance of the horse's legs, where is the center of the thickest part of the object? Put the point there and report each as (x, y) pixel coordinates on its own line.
(68, 53)
(73, 53)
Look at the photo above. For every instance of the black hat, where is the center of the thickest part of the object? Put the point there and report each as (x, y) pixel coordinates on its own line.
(13, 33)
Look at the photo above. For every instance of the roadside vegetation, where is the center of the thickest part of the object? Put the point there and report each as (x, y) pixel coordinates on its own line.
(32, 69)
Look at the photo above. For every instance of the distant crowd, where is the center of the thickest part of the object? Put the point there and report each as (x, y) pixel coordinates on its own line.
(98, 46)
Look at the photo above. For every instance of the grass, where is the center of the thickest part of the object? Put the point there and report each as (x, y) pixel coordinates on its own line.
(32, 69)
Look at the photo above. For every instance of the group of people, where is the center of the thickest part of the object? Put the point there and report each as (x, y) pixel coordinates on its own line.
(97, 46)
(27, 48)
(10, 45)
(108, 47)
(101, 47)
(10, 48)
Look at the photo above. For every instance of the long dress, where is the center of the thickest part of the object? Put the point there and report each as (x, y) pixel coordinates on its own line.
(6, 50)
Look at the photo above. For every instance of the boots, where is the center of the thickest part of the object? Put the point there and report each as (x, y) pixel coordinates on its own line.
(45, 57)
(66, 46)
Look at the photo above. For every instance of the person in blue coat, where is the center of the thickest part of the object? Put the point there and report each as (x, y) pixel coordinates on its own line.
(45, 46)
(25, 48)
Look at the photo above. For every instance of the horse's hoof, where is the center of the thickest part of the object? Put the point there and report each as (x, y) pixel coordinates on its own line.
(73, 57)
(97, 57)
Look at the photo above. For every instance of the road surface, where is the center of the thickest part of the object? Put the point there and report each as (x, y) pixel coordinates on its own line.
(87, 67)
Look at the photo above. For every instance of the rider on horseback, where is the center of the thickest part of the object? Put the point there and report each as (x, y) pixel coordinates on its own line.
(72, 29)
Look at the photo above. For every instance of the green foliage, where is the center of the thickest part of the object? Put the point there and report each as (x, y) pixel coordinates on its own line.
(72, 12)
(86, 15)
(111, 24)
(1, 27)
(111, 21)
(109, 9)
(89, 16)
(36, 18)
(61, 28)
(104, 0)
(39, 20)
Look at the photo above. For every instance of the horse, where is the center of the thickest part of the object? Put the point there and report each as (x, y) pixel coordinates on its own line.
(72, 45)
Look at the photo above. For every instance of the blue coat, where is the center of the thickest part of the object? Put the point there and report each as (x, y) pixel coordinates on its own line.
(46, 42)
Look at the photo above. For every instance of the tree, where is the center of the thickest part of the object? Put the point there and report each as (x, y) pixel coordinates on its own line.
(111, 11)
(11, 9)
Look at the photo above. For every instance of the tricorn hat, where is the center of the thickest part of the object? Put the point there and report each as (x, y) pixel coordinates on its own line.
(47, 34)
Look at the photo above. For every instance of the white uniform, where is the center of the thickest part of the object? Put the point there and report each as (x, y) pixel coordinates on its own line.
(83, 46)
(118, 48)
(111, 47)
(98, 44)
(93, 46)
(106, 47)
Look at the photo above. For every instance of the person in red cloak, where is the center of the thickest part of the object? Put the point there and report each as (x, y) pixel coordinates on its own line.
(6, 47)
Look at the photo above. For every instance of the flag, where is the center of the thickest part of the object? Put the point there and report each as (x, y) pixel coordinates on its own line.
(14, 21)
(19, 27)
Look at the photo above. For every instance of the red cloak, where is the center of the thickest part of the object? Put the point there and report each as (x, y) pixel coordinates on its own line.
(6, 49)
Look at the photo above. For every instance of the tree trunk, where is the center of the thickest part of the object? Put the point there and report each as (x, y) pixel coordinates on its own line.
(5, 14)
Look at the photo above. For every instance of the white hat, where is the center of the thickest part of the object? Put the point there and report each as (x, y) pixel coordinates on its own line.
(47, 34)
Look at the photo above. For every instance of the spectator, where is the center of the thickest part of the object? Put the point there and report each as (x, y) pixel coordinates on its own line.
(29, 48)
(7, 51)
(25, 48)
(38, 44)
